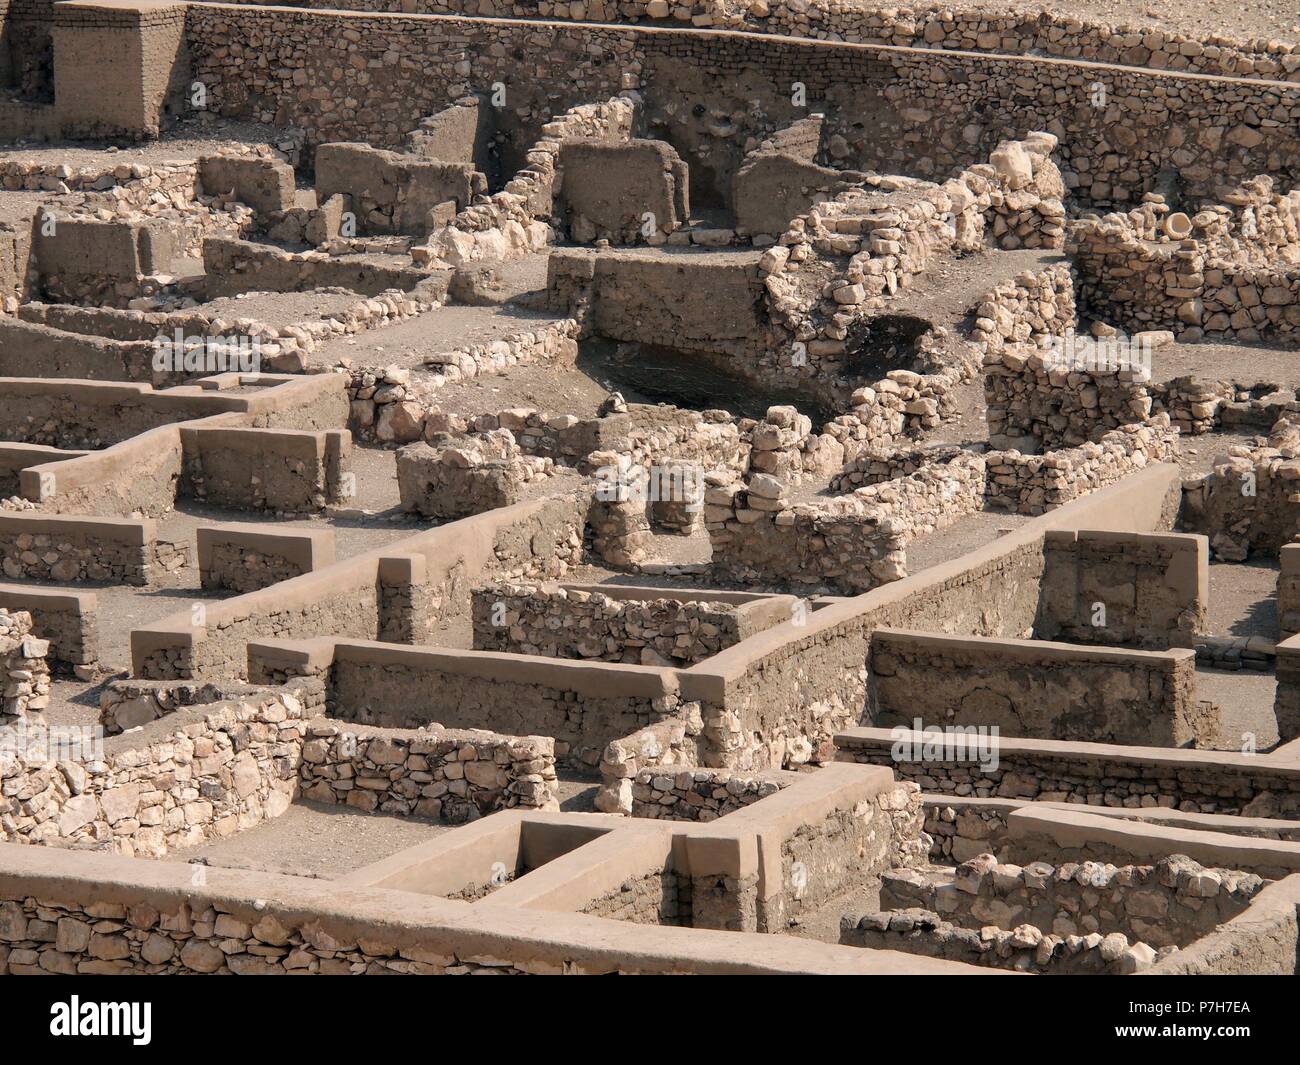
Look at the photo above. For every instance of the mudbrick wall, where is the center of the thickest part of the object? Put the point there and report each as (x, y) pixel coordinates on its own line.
(1129, 589)
(1035, 689)
(913, 109)
(1080, 773)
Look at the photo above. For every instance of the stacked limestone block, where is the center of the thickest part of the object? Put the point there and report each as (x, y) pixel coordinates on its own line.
(1072, 917)
(656, 748)
(27, 674)
(1231, 271)
(457, 477)
(1034, 484)
(1249, 503)
(391, 405)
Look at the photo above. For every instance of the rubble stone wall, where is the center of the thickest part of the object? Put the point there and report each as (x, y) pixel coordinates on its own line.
(1169, 904)
(560, 622)
(204, 773)
(1034, 484)
(439, 774)
(67, 621)
(26, 690)
(845, 543)
(924, 121)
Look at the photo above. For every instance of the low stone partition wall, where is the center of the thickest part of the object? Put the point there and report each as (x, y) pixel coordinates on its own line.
(583, 705)
(249, 922)
(1247, 504)
(1033, 484)
(1066, 390)
(389, 407)
(814, 840)
(1170, 903)
(200, 774)
(461, 476)
(244, 558)
(26, 689)
(664, 745)
(1146, 590)
(92, 415)
(126, 703)
(137, 476)
(446, 775)
(282, 347)
(234, 266)
(696, 794)
(847, 543)
(612, 623)
(784, 693)
(1024, 949)
(760, 868)
(283, 470)
(45, 547)
(402, 591)
(1212, 782)
(67, 621)
(1036, 689)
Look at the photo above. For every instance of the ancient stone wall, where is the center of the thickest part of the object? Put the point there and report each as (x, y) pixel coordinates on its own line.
(849, 543)
(67, 621)
(243, 558)
(1233, 784)
(232, 766)
(26, 690)
(1034, 484)
(77, 550)
(1035, 689)
(696, 794)
(461, 476)
(285, 470)
(1128, 589)
(439, 774)
(1244, 504)
(1170, 903)
(563, 622)
(914, 110)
